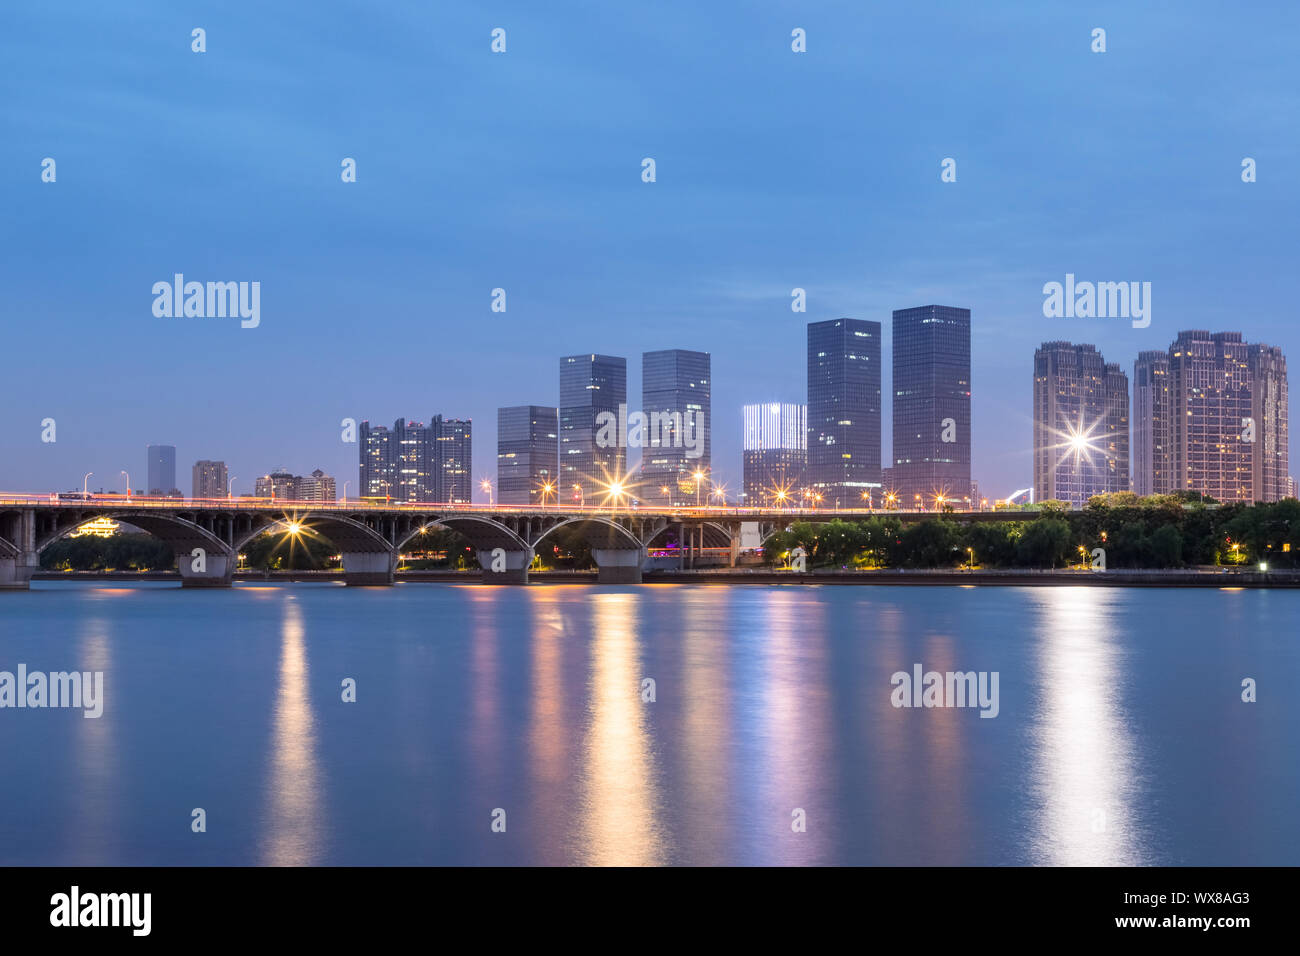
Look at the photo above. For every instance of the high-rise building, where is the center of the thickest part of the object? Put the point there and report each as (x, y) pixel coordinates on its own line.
(1210, 401)
(528, 455)
(379, 451)
(1210, 416)
(162, 470)
(589, 386)
(317, 486)
(417, 462)
(453, 460)
(843, 409)
(1081, 424)
(1268, 402)
(931, 417)
(775, 453)
(208, 479)
(1151, 424)
(675, 390)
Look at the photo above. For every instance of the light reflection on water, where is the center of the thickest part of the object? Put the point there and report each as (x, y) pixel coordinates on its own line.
(293, 834)
(1086, 768)
(768, 700)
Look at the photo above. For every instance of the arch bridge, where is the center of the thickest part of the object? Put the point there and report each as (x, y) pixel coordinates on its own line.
(207, 536)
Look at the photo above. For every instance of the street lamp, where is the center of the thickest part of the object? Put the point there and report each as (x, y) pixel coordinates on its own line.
(85, 485)
(345, 491)
(230, 484)
(128, 483)
(971, 552)
(548, 488)
(486, 485)
(582, 501)
(699, 480)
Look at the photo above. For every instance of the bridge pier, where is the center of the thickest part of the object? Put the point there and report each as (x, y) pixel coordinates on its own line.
(505, 567)
(618, 565)
(369, 568)
(215, 571)
(16, 573)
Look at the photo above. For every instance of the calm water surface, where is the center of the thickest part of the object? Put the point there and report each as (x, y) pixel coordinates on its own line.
(1121, 736)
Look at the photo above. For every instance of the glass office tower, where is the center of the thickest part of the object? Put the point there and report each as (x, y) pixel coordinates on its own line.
(931, 414)
(589, 385)
(675, 389)
(775, 453)
(528, 455)
(843, 410)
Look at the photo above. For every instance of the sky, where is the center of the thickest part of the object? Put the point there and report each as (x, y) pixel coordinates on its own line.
(522, 170)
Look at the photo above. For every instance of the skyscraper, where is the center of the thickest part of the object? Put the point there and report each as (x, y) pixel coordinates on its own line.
(208, 479)
(453, 460)
(1268, 403)
(843, 409)
(931, 416)
(675, 398)
(1218, 426)
(1211, 405)
(417, 462)
(589, 385)
(528, 455)
(162, 470)
(1081, 427)
(775, 453)
(394, 462)
(1151, 425)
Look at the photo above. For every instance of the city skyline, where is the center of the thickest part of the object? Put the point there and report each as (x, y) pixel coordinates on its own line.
(414, 462)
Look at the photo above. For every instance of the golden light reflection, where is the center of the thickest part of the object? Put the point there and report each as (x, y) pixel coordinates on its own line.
(620, 795)
(295, 821)
(1082, 755)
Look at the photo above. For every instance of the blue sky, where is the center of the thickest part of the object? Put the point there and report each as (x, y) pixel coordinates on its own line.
(522, 171)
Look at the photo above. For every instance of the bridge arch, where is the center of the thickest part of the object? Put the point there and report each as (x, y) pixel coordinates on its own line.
(483, 533)
(615, 535)
(183, 535)
(345, 533)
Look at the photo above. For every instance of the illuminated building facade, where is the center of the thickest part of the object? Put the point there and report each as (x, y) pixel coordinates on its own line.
(931, 408)
(417, 462)
(843, 410)
(590, 384)
(1081, 424)
(774, 452)
(528, 456)
(675, 389)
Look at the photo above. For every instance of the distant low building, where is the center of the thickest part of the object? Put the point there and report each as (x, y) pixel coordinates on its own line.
(317, 486)
(285, 486)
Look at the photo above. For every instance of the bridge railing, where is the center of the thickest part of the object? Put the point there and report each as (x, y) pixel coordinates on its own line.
(353, 506)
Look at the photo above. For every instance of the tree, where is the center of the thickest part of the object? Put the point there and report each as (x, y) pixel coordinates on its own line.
(1167, 547)
(931, 544)
(994, 542)
(1044, 543)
